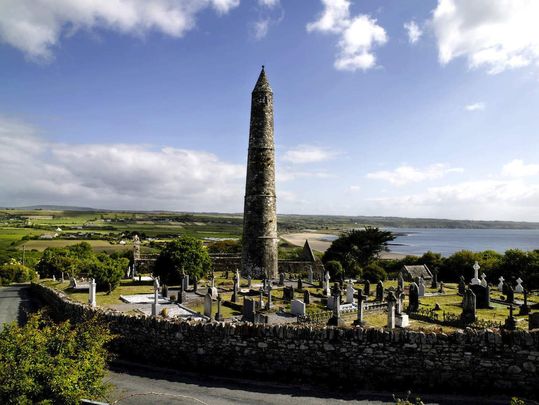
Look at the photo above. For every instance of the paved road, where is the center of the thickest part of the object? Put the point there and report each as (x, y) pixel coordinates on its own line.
(15, 302)
(148, 386)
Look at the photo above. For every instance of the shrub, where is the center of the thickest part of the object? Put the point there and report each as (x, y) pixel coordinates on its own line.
(14, 272)
(374, 273)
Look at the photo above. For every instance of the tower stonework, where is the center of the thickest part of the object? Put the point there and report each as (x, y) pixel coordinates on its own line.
(259, 256)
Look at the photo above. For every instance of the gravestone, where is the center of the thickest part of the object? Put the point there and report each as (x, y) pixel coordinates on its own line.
(300, 284)
(310, 275)
(62, 278)
(208, 303)
(288, 294)
(475, 279)
(281, 279)
(297, 307)
(249, 309)
(235, 288)
(306, 297)
(482, 296)
(186, 282)
(413, 298)
(500, 284)
(519, 288)
(261, 299)
(181, 295)
(399, 295)
(533, 321)
(434, 283)
(350, 293)
(421, 287)
(380, 291)
(367, 289)
(336, 319)
(400, 281)
(441, 290)
(269, 304)
(524, 308)
(53, 277)
(462, 285)
(510, 294)
(327, 292)
(225, 275)
(91, 297)
(468, 307)
(401, 319)
(484, 280)
(195, 284)
(360, 307)
(249, 281)
(155, 305)
(164, 291)
(510, 321)
(391, 300)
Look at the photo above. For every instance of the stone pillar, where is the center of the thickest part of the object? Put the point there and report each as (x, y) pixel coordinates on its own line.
(207, 304)
(391, 300)
(336, 319)
(269, 303)
(91, 298)
(155, 305)
(219, 316)
(360, 308)
(259, 254)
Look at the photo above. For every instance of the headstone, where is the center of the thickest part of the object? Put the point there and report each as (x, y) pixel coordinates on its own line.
(391, 300)
(360, 307)
(310, 275)
(91, 297)
(236, 288)
(462, 285)
(510, 294)
(350, 293)
(181, 298)
(413, 298)
(195, 284)
(225, 275)
(468, 307)
(336, 319)
(53, 277)
(269, 303)
(219, 316)
(208, 303)
(519, 288)
(401, 319)
(327, 292)
(400, 281)
(186, 282)
(297, 307)
(475, 279)
(533, 321)
(62, 279)
(155, 305)
(441, 290)
(300, 284)
(482, 295)
(261, 299)
(164, 291)
(421, 287)
(500, 284)
(484, 280)
(249, 309)
(281, 279)
(434, 283)
(380, 291)
(399, 295)
(510, 321)
(128, 272)
(306, 297)
(249, 281)
(288, 294)
(524, 308)
(367, 289)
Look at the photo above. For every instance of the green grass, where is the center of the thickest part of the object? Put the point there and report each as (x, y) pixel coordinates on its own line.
(97, 245)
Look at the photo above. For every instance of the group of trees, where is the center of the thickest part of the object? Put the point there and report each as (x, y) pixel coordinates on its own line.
(81, 261)
(15, 272)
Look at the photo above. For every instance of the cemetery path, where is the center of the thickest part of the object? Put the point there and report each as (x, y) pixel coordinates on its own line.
(15, 303)
(141, 385)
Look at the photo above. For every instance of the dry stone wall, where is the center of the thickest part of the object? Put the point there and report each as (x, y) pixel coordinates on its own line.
(466, 361)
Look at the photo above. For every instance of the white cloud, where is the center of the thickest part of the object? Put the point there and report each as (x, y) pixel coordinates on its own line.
(309, 154)
(260, 28)
(413, 31)
(113, 176)
(496, 35)
(475, 107)
(269, 3)
(36, 27)
(517, 168)
(405, 174)
(358, 35)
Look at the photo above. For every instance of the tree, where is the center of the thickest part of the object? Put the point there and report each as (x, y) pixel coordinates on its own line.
(335, 269)
(358, 248)
(14, 272)
(185, 253)
(374, 273)
(107, 271)
(43, 362)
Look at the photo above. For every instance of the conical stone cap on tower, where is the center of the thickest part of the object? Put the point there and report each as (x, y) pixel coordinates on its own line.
(262, 84)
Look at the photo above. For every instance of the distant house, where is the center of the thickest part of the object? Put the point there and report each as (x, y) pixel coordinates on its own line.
(411, 273)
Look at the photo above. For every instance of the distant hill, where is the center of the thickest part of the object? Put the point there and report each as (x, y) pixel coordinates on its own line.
(57, 208)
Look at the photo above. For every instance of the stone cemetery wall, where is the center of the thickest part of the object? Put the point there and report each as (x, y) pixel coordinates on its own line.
(466, 361)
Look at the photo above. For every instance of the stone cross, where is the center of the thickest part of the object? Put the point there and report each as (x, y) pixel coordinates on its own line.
(380, 291)
(434, 283)
(469, 314)
(399, 295)
(326, 284)
(155, 305)
(219, 316)
(336, 319)
(475, 279)
(510, 321)
(524, 308)
(181, 295)
(484, 280)
(306, 297)
(261, 299)
(367, 288)
(400, 281)
(310, 275)
(509, 293)
(391, 300)
(360, 307)
(281, 279)
(421, 287)
(300, 284)
(91, 297)
(235, 288)
(519, 288)
(462, 285)
(500, 284)
(350, 292)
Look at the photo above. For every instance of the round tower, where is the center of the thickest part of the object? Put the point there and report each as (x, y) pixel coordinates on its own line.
(259, 256)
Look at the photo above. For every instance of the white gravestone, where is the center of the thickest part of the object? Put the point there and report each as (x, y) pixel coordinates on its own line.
(421, 287)
(484, 280)
(475, 279)
(297, 307)
(350, 293)
(402, 320)
(207, 304)
(327, 292)
(390, 314)
(91, 297)
(310, 275)
(500, 284)
(519, 288)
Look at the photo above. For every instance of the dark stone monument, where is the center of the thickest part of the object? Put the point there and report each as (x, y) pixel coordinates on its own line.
(195, 284)
(524, 308)
(400, 281)
(306, 297)
(300, 284)
(259, 254)
(360, 308)
(441, 290)
(510, 294)
(219, 316)
(164, 291)
(288, 294)
(249, 281)
(510, 321)
(249, 309)
(380, 291)
(434, 283)
(225, 275)
(482, 296)
(336, 319)
(462, 285)
(281, 279)
(181, 295)
(367, 288)
(235, 290)
(413, 298)
(269, 303)
(468, 307)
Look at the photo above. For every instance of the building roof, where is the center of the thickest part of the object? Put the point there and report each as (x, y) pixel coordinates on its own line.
(262, 84)
(308, 252)
(420, 270)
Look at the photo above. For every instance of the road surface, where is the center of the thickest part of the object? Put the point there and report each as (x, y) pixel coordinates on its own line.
(15, 302)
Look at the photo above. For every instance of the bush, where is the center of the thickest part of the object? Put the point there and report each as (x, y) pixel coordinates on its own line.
(335, 269)
(43, 362)
(14, 272)
(107, 271)
(374, 273)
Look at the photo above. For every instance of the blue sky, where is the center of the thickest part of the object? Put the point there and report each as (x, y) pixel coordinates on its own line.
(417, 108)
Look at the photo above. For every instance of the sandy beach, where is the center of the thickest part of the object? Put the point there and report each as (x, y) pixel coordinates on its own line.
(318, 243)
